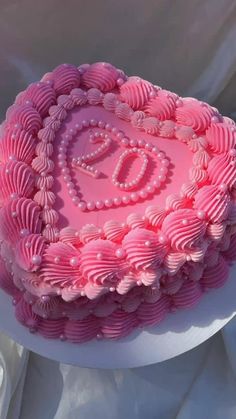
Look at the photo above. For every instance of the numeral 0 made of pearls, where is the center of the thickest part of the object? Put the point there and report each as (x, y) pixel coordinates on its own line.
(127, 186)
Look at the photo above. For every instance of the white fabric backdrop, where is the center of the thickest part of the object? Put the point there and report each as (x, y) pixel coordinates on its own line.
(187, 47)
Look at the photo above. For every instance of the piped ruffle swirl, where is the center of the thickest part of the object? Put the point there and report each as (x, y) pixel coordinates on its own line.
(60, 265)
(24, 116)
(17, 143)
(222, 169)
(143, 249)
(103, 76)
(16, 180)
(65, 78)
(184, 229)
(192, 113)
(162, 106)
(29, 252)
(221, 137)
(19, 218)
(136, 92)
(100, 264)
(214, 201)
(41, 95)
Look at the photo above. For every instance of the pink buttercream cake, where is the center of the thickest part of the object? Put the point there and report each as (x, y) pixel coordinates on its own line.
(118, 203)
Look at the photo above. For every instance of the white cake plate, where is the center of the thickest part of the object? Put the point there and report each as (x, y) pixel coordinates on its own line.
(178, 333)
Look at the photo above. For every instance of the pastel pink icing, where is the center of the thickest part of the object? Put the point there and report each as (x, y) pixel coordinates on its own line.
(131, 258)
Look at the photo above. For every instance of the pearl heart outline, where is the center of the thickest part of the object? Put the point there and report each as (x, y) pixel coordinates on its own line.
(80, 163)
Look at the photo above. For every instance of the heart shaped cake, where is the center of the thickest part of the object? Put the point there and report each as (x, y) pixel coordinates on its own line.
(118, 203)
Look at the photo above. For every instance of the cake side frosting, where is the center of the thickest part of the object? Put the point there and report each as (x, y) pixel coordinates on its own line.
(106, 280)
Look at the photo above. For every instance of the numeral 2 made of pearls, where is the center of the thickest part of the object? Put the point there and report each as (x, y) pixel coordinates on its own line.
(80, 163)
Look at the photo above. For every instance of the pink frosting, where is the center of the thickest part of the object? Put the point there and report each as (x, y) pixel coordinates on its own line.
(67, 103)
(65, 77)
(100, 264)
(29, 252)
(198, 143)
(150, 278)
(123, 111)
(110, 102)
(198, 175)
(167, 129)
(78, 96)
(221, 137)
(162, 106)
(90, 232)
(171, 285)
(152, 294)
(188, 295)
(81, 330)
(70, 235)
(105, 308)
(184, 229)
(48, 306)
(143, 249)
(173, 262)
(201, 159)
(222, 169)
(45, 198)
(41, 95)
(118, 324)
(25, 116)
(175, 202)
(216, 231)
(136, 91)
(19, 217)
(44, 182)
(184, 134)
(153, 313)
(214, 201)
(25, 315)
(155, 215)
(189, 190)
(128, 281)
(17, 143)
(137, 119)
(192, 113)
(42, 164)
(46, 134)
(114, 230)
(51, 329)
(60, 265)
(136, 221)
(151, 125)
(51, 233)
(214, 277)
(58, 112)
(44, 149)
(103, 76)
(95, 97)
(15, 178)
